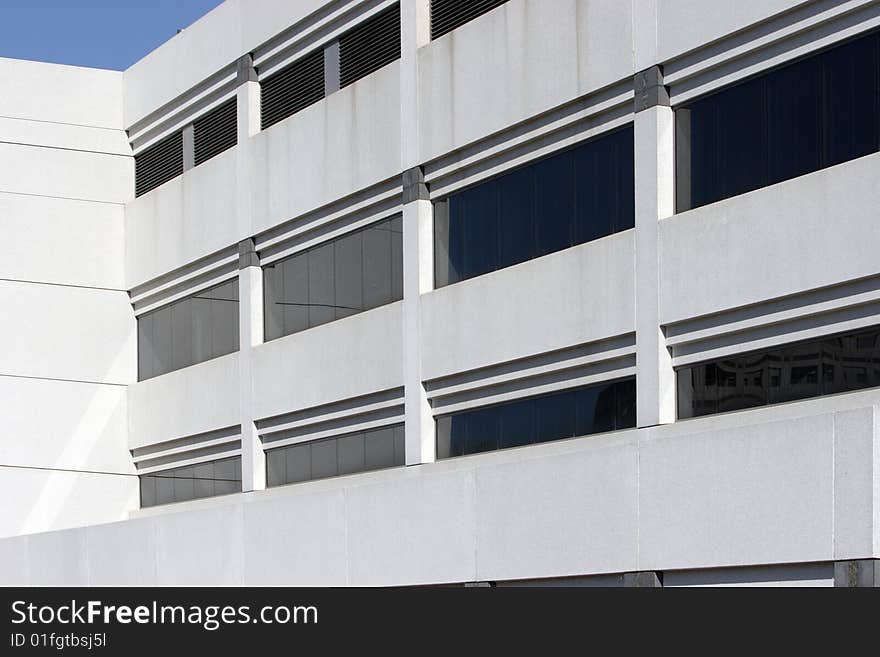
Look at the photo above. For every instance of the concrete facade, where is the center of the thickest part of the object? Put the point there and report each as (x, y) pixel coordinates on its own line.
(68, 334)
(786, 494)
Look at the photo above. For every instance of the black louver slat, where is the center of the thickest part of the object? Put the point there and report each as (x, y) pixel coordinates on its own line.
(446, 15)
(292, 89)
(369, 46)
(158, 164)
(215, 132)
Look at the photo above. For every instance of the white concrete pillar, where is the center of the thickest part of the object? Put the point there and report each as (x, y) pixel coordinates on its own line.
(250, 285)
(418, 278)
(248, 100)
(248, 105)
(250, 279)
(415, 32)
(418, 232)
(655, 200)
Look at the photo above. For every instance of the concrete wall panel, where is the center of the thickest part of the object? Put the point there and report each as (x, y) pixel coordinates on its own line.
(37, 228)
(300, 540)
(58, 332)
(856, 444)
(587, 290)
(186, 402)
(200, 549)
(575, 512)
(754, 488)
(683, 25)
(337, 361)
(37, 500)
(340, 145)
(187, 218)
(63, 135)
(85, 429)
(519, 60)
(92, 97)
(413, 529)
(14, 554)
(765, 244)
(67, 333)
(66, 173)
(752, 494)
(122, 554)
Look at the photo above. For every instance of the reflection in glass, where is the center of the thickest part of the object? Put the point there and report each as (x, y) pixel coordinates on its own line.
(799, 371)
(581, 412)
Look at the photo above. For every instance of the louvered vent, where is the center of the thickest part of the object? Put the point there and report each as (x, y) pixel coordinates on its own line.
(369, 46)
(292, 89)
(215, 132)
(158, 164)
(446, 15)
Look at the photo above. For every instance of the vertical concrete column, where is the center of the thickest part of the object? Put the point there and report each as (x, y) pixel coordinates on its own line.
(415, 32)
(248, 106)
(418, 278)
(250, 285)
(418, 232)
(655, 200)
(248, 99)
(250, 278)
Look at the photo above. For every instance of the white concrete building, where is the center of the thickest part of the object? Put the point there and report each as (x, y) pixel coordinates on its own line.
(293, 299)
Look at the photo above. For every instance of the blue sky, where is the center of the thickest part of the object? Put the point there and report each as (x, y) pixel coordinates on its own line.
(99, 33)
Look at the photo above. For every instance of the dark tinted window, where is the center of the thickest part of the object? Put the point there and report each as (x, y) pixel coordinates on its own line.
(191, 482)
(353, 273)
(799, 371)
(567, 199)
(805, 116)
(330, 457)
(604, 407)
(192, 330)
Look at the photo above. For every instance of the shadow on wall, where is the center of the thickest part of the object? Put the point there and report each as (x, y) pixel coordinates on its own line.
(86, 491)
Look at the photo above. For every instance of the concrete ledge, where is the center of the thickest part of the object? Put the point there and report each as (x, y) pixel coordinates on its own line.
(587, 506)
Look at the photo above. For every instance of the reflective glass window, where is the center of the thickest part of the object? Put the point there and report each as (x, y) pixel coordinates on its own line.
(374, 449)
(345, 276)
(208, 479)
(802, 370)
(195, 329)
(799, 118)
(566, 199)
(580, 412)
